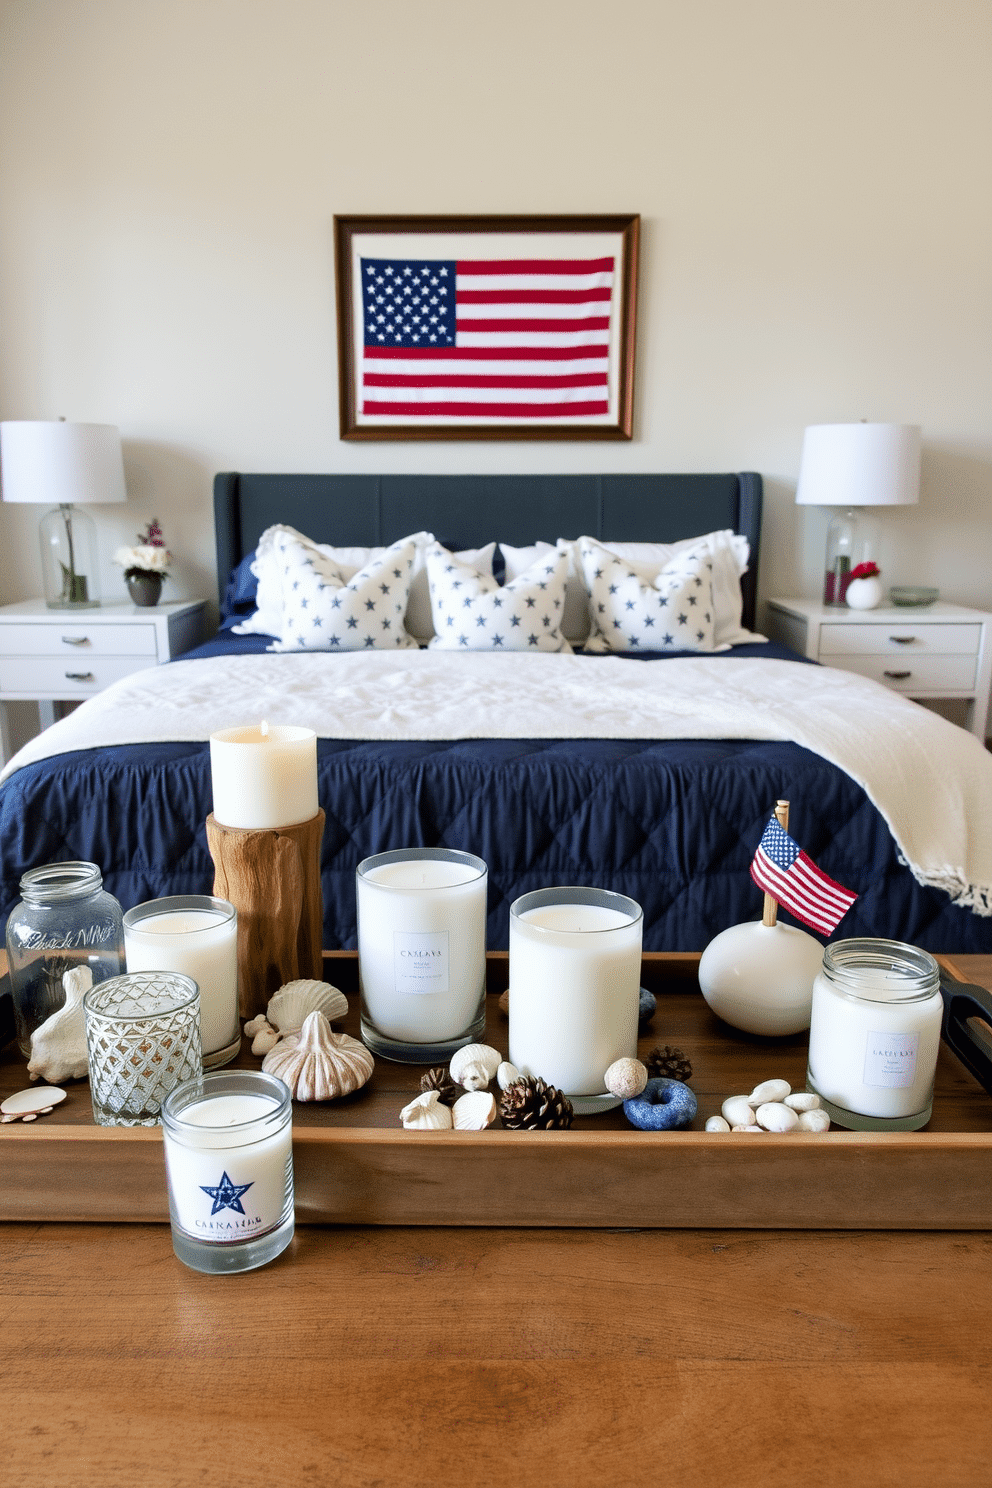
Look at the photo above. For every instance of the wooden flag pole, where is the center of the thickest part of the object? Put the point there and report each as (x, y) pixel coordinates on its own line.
(770, 914)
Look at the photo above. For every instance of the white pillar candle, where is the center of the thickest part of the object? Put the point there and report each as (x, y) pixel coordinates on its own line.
(421, 945)
(229, 1159)
(575, 964)
(197, 935)
(264, 776)
(875, 1033)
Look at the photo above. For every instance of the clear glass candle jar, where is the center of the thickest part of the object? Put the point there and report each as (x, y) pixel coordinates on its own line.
(875, 1034)
(65, 919)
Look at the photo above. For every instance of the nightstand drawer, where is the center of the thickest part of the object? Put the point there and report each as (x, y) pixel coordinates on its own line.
(896, 639)
(67, 677)
(75, 638)
(914, 674)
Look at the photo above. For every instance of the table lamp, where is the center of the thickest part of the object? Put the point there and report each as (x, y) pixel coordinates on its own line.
(62, 465)
(853, 466)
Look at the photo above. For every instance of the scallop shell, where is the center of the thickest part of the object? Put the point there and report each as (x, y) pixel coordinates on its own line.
(293, 1002)
(58, 1046)
(318, 1064)
(474, 1111)
(474, 1065)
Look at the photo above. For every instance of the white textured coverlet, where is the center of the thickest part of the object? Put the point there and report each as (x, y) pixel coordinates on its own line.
(931, 781)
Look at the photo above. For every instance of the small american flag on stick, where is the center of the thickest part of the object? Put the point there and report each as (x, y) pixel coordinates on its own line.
(513, 339)
(783, 870)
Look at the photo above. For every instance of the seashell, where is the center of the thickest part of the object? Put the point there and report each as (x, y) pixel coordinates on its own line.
(716, 1124)
(803, 1100)
(474, 1065)
(318, 1064)
(775, 1117)
(769, 1090)
(626, 1077)
(256, 1025)
(265, 1040)
(737, 1110)
(28, 1105)
(426, 1113)
(506, 1074)
(816, 1120)
(474, 1111)
(58, 1046)
(289, 1007)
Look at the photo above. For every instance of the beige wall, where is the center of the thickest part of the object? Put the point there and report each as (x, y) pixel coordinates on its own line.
(813, 180)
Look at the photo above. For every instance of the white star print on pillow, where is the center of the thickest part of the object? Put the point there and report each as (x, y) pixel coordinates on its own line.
(473, 613)
(324, 612)
(672, 613)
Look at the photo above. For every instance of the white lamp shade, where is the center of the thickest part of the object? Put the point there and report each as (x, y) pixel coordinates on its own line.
(860, 465)
(59, 463)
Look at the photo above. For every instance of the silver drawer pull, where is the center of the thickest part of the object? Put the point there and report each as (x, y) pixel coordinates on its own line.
(898, 676)
(902, 640)
(89, 677)
(75, 640)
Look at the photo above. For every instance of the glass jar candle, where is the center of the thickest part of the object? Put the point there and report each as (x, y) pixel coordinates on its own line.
(197, 935)
(65, 919)
(422, 952)
(229, 1160)
(874, 1035)
(575, 976)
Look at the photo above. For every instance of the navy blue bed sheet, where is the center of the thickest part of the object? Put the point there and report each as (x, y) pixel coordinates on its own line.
(674, 824)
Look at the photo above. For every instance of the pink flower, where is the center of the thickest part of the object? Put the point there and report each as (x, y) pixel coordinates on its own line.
(865, 571)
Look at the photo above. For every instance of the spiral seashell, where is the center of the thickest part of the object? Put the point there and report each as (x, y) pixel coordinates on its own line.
(318, 1064)
(293, 1002)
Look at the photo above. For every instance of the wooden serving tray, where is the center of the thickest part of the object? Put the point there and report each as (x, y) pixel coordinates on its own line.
(354, 1164)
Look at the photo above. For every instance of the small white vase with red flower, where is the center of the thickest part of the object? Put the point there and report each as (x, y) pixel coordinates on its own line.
(864, 588)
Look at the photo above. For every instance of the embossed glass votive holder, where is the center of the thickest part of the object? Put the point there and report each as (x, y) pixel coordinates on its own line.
(142, 1040)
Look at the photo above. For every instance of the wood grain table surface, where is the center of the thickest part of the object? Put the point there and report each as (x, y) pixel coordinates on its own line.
(430, 1356)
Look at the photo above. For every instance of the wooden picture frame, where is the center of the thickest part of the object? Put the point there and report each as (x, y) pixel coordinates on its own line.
(412, 366)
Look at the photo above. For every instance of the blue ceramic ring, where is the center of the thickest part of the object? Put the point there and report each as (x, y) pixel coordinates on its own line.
(663, 1105)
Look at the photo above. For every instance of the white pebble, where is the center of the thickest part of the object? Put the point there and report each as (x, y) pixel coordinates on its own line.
(803, 1100)
(736, 1109)
(776, 1117)
(626, 1078)
(745, 1128)
(769, 1090)
(814, 1121)
(716, 1124)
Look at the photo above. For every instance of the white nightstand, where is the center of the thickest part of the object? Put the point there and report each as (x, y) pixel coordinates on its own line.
(49, 656)
(934, 651)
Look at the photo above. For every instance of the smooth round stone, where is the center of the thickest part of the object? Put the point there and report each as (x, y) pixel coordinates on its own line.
(646, 1008)
(663, 1105)
(775, 1117)
(716, 1124)
(737, 1110)
(816, 1120)
(803, 1100)
(769, 1090)
(626, 1078)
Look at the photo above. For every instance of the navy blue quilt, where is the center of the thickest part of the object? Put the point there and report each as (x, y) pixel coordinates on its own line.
(674, 824)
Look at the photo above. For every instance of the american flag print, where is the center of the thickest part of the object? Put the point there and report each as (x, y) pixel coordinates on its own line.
(502, 338)
(782, 869)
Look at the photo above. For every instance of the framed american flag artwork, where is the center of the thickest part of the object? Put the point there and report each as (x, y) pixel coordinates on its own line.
(486, 327)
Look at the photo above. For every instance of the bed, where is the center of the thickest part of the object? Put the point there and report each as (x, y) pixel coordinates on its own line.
(623, 798)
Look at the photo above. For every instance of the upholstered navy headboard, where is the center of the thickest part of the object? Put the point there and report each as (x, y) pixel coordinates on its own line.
(469, 510)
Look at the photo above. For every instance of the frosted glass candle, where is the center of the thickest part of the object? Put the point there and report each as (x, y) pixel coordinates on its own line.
(575, 973)
(422, 952)
(875, 1034)
(264, 777)
(229, 1161)
(197, 935)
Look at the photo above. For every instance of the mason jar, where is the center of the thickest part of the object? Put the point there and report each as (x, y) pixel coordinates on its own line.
(875, 1034)
(64, 919)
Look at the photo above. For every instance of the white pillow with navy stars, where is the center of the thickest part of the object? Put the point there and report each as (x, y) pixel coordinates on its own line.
(674, 612)
(322, 611)
(471, 612)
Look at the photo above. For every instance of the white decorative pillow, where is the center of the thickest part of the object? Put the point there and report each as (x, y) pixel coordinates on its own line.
(324, 611)
(473, 613)
(575, 624)
(268, 570)
(672, 613)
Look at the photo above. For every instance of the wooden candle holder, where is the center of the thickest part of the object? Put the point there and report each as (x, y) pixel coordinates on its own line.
(272, 877)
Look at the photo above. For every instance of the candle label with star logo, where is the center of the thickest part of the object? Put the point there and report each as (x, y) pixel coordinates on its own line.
(238, 1194)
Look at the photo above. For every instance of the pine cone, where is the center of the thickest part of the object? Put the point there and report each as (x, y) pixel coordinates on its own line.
(439, 1079)
(531, 1105)
(668, 1064)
